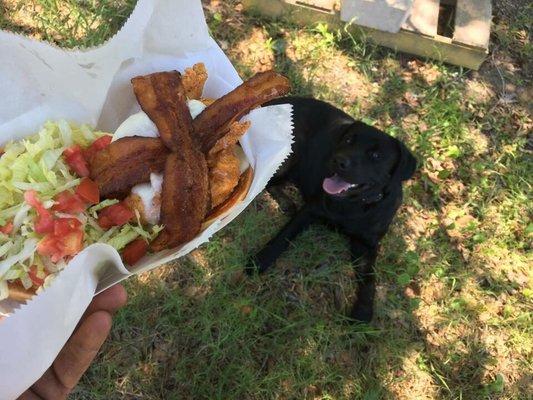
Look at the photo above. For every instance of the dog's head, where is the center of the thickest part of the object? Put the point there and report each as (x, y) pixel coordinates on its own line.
(365, 162)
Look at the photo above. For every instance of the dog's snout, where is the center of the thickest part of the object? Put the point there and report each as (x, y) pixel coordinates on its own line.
(342, 162)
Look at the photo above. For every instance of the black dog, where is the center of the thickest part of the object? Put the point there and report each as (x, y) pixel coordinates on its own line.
(350, 176)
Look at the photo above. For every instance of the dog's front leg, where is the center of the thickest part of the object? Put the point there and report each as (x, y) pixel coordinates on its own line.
(268, 256)
(364, 257)
(285, 203)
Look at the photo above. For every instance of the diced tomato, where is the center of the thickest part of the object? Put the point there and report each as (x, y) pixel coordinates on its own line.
(32, 273)
(72, 243)
(88, 191)
(44, 224)
(50, 246)
(58, 247)
(115, 215)
(68, 203)
(45, 220)
(105, 222)
(98, 144)
(64, 226)
(76, 161)
(31, 198)
(134, 251)
(7, 228)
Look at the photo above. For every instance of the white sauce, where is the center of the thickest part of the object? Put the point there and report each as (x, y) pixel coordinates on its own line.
(196, 107)
(137, 125)
(149, 193)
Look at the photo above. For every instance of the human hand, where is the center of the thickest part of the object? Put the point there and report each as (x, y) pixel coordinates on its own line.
(80, 350)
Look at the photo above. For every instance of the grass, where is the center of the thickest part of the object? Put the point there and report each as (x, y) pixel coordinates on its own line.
(453, 309)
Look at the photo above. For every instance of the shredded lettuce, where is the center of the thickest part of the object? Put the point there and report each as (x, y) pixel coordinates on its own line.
(50, 157)
(148, 235)
(42, 187)
(103, 204)
(36, 163)
(27, 251)
(5, 248)
(66, 133)
(20, 217)
(4, 290)
(9, 213)
(123, 237)
(14, 273)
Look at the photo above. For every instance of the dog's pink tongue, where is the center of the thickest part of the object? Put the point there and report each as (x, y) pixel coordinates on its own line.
(335, 185)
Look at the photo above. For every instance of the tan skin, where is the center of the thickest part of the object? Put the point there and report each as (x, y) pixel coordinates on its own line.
(80, 350)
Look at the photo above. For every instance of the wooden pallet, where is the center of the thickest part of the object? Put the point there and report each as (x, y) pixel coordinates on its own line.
(466, 45)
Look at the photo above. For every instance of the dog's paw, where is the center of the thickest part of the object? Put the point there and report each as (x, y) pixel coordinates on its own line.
(361, 313)
(287, 207)
(259, 263)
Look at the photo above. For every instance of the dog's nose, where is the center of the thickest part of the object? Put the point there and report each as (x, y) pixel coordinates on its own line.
(342, 162)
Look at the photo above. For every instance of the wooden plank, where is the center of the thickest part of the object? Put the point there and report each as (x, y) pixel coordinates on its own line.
(424, 17)
(472, 22)
(327, 6)
(385, 15)
(439, 47)
(297, 13)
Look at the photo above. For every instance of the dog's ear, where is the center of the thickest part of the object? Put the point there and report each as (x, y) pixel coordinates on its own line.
(406, 166)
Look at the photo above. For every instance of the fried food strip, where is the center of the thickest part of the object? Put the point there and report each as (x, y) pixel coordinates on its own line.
(185, 192)
(238, 195)
(184, 199)
(207, 101)
(162, 97)
(126, 163)
(236, 131)
(212, 123)
(224, 173)
(194, 81)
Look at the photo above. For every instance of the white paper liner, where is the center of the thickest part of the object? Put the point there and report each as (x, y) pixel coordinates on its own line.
(39, 82)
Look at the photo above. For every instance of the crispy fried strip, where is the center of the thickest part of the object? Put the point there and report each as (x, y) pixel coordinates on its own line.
(239, 194)
(185, 193)
(224, 173)
(126, 163)
(194, 81)
(162, 97)
(212, 123)
(184, 199)
(236, 131)
(207, 101)
(224, 165)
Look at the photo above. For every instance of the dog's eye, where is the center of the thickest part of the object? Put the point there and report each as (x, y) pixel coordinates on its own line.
(348, 139)
(375, 155)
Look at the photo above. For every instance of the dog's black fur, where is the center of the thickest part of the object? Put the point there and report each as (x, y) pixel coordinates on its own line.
(329, 142)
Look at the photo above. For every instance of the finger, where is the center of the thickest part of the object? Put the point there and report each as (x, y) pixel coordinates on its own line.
(75, 357)
(110, 300)
(82, 347)
(29, 395)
